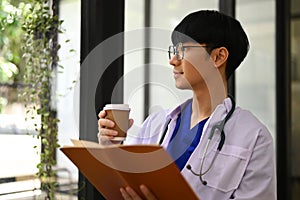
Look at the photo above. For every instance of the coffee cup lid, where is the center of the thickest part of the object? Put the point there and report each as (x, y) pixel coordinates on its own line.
(117, 107)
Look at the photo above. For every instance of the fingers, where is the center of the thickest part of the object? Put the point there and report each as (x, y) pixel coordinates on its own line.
(130, 122)
(105, 131)
(102, 114)
(129, 194)
(105, 125)
(102, 122)
(124, 194)
(148, 194)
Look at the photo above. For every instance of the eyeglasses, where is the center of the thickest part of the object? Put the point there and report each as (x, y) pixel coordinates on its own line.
(178, 50)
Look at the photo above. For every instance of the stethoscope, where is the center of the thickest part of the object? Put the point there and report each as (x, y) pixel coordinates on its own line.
(217, 127)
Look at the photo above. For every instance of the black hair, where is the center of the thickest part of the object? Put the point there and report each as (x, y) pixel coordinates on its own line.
(215, 30)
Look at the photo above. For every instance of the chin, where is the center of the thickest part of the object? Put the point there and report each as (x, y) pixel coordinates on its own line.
(182, 84)
(183, 87)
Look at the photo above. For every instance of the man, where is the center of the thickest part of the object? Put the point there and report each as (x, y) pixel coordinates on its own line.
(239, 161)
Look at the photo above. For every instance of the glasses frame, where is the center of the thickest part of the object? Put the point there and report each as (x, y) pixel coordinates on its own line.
(173, 50)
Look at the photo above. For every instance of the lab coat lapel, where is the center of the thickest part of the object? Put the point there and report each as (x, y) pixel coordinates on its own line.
(218, 115)
(173, 115)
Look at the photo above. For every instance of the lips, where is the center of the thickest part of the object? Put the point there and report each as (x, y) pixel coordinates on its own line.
(177, 74)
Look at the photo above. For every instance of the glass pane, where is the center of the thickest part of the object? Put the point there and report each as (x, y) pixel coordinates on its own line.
(134, 59)
(67, 88)
(166, 15)
(255, 78)
(18, 155)
(19, 158)
(295, 98)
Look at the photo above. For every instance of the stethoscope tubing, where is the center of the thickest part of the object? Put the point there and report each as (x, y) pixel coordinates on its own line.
(220, 127)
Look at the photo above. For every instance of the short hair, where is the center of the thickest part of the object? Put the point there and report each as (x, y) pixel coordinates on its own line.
(216, 30)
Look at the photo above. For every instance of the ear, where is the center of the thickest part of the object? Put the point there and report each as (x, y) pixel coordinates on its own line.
(219, 56)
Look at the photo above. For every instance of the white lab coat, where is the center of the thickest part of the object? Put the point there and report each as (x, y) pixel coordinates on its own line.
(245, 167)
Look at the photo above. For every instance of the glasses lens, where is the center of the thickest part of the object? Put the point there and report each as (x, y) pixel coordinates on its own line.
(171, 51)
(179, 51)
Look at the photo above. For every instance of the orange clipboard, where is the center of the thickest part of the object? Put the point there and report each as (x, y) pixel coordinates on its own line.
(112, 167)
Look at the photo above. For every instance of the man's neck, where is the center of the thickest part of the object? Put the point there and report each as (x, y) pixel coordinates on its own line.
(203, 105)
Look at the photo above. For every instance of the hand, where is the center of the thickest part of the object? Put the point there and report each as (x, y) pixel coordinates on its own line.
(105, 131)
(129, 194)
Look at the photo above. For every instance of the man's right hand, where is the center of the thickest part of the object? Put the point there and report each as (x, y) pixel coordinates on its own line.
(105, 131)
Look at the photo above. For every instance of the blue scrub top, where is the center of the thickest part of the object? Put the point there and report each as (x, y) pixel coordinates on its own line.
(184, 140)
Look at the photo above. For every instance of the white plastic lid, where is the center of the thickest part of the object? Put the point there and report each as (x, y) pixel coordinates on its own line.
(117, 107)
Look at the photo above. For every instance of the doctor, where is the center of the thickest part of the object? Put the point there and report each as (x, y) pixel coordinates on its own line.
(223, 151)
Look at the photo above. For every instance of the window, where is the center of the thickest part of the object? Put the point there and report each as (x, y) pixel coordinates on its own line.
(295, 99)
(148, 81)
(255, 78)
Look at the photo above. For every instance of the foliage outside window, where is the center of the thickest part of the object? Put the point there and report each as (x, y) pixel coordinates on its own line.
(28, 53)
(11, 63)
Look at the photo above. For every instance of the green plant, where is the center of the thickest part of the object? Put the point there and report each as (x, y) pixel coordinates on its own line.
(41, 26)
(11, 62)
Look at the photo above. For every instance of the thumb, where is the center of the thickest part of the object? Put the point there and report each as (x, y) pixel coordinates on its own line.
(131, 121)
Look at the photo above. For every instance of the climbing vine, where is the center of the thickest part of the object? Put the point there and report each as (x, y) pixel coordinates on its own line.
(41, 26)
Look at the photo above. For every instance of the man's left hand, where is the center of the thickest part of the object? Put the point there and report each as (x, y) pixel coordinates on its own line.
(129, 194)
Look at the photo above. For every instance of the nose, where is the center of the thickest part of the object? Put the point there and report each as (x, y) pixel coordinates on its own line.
(173, 61)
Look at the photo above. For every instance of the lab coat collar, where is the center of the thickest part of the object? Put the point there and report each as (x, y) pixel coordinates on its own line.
(220, 111)
(175, 112)
(218, 114)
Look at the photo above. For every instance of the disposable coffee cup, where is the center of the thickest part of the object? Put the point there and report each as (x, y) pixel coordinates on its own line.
(119, 113)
